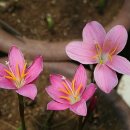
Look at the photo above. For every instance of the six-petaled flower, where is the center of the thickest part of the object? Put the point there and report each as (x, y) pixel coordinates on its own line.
(15, 75)
(101, 48)
(72, 95)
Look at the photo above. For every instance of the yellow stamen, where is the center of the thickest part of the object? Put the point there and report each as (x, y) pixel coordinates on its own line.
(17, 70)
(101, 61)
(11, 74)
(94, 57)
(78, 90)
(8, 72)
(76, 97)
(8, 77)
(18, 76)
(25, 75)
(64, 91)
(23, 71)
(110, 57)
(66, 98)
(99, 49)
(73, 85)
(99, 52)
(113, 51)
(66, 87)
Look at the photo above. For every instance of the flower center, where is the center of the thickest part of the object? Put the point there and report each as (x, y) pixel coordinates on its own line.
(100, 56)
(71, 94)
(17, 77)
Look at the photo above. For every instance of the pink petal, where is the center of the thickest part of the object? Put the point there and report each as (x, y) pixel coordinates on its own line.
(57, 80)
(6, 84)
(56, 106)
(79, 108)
(80, 77)
(89, 92)
(115, 40)
(16, 58)
(105, 78)
(2, 70)
(29, 91)
(94, 33)
(34, 70)
(55, 94)
(120, 64)
(80, 52)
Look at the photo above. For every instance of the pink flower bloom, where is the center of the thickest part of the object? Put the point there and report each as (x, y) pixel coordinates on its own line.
(17, 76)
(72, 95)
(99, 47)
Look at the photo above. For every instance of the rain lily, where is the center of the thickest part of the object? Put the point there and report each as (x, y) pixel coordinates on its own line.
(100, 48)
(72, 95)
(16, 76)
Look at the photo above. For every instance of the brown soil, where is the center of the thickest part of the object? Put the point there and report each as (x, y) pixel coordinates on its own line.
(104, 117)
(68, 18)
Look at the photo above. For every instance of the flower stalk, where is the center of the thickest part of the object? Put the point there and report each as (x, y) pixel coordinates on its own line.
(48, 120)
(80, 123)
(21, 111)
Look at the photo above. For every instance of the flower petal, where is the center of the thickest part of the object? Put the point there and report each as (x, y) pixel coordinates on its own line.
(29, 91)
(16, 58)
(56, 80)
(115, 40)
(119, 64)
(89, 92)
(80, 77)
(80, 108)
(55, 94)
(94, 33)
(80, 52)
(56, 106)
(6, 84)
(2, 70)
(34, 70)
(105, 78)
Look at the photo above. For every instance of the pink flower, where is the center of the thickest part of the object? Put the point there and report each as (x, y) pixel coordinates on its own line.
(99, 47)
(72, 95)
(17, 76)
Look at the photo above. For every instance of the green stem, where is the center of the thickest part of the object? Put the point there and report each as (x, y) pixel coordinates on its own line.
(48, 120)
(102, 5)
(92, 67)
(50, 116)
(63, 123)
(21, 111)
(80, 126)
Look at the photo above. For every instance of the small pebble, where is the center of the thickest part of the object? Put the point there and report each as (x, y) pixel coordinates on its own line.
(53, 2)
(13, 14)
(9, 116)
(18, 21)
(85, 1)
(3, 4)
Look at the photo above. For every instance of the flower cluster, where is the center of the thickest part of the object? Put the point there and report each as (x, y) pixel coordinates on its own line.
(97, 47)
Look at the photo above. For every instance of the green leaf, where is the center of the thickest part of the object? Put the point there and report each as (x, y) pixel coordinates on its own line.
(101, 5)
(49, 21)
